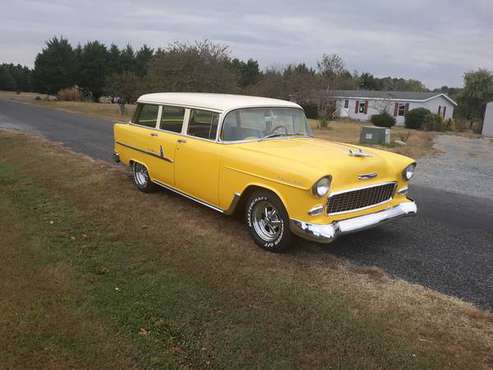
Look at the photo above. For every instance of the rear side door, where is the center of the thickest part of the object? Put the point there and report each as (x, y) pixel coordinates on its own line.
(198, 157)
(169, 131)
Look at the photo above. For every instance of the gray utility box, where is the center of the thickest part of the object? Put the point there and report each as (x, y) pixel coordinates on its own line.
(488, 121)
(374, 135)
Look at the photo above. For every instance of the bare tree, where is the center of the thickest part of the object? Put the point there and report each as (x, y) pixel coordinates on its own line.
(127, 86)
(200, 66)
(332, 69)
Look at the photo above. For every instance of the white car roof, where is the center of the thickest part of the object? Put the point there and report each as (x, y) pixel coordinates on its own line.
(217, 102)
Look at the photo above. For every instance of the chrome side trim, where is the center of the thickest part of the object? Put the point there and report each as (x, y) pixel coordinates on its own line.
(160, 156)
(326, 233)
(188, 196)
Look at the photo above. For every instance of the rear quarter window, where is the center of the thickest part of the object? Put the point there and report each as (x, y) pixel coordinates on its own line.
(146, 115)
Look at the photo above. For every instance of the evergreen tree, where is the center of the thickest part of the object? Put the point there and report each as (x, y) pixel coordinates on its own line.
(54, 66)
(142, 59)
(114, 60)
(127, 59)
(93, 68)
(7, 81)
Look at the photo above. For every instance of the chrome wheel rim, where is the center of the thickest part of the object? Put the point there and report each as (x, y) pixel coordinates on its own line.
(140, 175)
(266, 221)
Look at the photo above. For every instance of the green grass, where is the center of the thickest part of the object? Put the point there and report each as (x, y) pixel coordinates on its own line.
(89, 273)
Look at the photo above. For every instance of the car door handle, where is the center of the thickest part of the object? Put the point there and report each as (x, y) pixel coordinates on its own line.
(181, 141)
(153, 134)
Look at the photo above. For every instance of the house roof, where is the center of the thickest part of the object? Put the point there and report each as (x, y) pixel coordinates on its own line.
(218, 102)
(391, 95)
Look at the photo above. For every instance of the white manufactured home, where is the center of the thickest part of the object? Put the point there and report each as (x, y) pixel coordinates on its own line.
(362, 104)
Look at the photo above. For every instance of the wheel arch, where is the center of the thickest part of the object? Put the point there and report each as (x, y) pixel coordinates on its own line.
(249, 190)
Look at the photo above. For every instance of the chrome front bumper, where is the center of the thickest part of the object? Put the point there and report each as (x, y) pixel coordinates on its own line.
(328, 232)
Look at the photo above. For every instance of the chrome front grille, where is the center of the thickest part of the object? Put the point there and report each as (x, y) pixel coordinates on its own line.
(354, 200)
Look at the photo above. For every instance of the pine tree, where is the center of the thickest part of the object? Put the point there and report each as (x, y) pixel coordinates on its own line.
(54, 67)
(93, 68)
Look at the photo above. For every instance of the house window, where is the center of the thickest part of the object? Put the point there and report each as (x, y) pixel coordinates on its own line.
(362, 107)
(346, 103)
(402, 110)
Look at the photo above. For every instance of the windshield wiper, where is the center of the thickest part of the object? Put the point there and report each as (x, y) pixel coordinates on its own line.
(270, 136)
(280, 135)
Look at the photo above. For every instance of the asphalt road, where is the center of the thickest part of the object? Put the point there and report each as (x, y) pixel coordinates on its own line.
(447, 247)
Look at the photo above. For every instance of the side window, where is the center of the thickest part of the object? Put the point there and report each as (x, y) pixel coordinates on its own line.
(203, 124)
(146, 115)
(172, 118)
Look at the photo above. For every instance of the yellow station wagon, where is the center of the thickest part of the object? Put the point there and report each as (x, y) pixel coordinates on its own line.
(258, 155)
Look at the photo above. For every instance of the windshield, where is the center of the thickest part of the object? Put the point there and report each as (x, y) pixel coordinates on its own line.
(262, 123)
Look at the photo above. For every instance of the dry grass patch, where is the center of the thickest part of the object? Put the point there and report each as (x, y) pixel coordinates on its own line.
(45, 321)
(97, 110)
(419, 143)
(205, 295)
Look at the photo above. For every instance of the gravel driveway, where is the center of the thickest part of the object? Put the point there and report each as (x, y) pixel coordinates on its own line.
(463, 165)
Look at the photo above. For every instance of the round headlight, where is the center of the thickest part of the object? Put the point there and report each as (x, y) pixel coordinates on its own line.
(322, 186)
(408, 172)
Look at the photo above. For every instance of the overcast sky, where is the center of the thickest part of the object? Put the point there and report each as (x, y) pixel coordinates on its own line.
(433, 41)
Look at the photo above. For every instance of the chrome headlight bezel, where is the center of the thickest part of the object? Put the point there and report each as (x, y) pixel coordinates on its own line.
(322, 187)
(408, 172)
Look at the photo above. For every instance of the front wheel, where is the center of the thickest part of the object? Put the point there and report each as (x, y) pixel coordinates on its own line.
(268, 221)
(141, 178)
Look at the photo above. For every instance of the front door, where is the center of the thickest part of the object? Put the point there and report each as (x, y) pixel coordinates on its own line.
(197, 157)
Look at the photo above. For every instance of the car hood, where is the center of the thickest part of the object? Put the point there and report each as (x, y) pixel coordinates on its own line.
(322, 157)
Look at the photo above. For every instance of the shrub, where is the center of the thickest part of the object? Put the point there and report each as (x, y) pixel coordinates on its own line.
(416, 117)
(459, 125)
(477, 127)
(69, 94)
(433, 122)
(324, 122)
(383, 120)
(311, 110)
(449, 124)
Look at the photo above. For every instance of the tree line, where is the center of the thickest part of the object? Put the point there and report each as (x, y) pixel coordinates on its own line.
(207, 67)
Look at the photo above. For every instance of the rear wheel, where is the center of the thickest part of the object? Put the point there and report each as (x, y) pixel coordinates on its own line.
(268, 221)
(141, 178)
